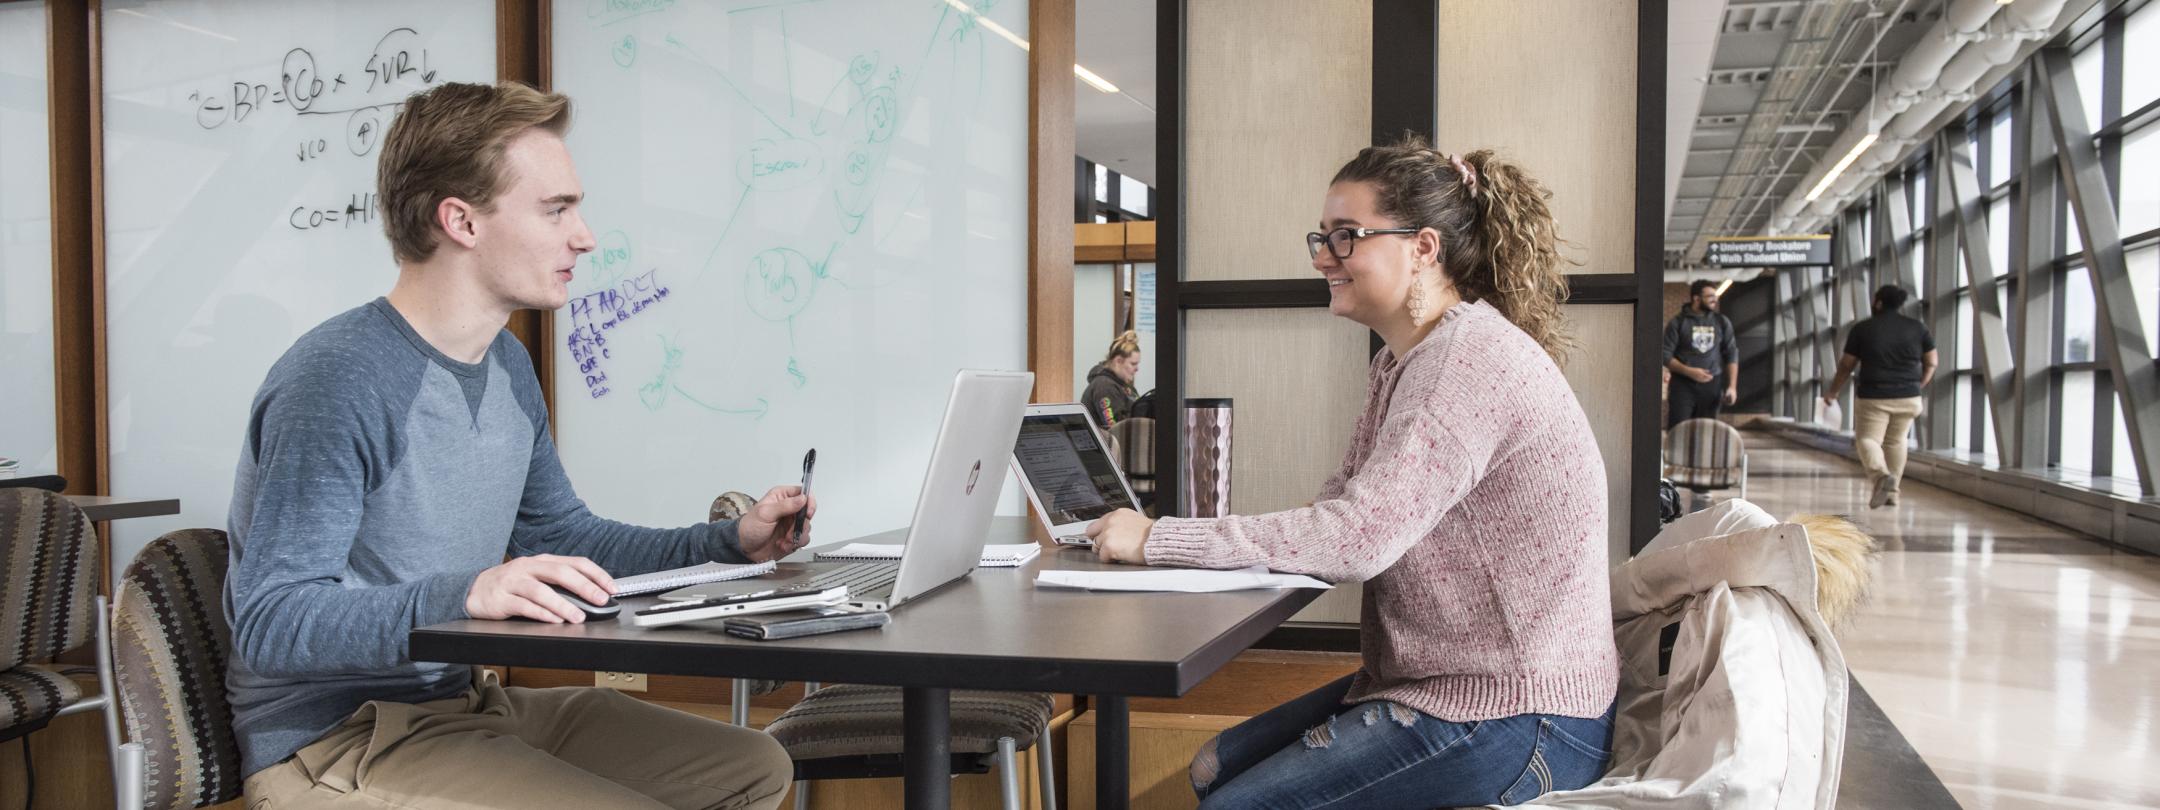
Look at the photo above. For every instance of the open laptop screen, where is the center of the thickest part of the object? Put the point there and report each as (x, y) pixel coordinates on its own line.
(1069, 470)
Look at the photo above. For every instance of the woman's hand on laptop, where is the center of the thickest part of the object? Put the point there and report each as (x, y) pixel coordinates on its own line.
(1121, 537)
(777, 525)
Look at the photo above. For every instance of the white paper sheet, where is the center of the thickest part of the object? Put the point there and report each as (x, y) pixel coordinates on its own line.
(1176, 580)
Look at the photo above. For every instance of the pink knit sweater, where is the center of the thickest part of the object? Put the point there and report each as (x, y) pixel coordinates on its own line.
(1472, 506)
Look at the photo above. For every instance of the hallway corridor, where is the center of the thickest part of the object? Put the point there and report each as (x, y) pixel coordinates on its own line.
(2021, 660)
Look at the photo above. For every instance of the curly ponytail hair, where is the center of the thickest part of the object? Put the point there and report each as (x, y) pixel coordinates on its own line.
(1497, 237)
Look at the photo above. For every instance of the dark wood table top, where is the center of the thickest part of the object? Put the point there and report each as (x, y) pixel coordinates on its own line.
(991, 630)
(119, 507)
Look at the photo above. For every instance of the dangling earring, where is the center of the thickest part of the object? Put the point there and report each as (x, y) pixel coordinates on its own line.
(1417, 301)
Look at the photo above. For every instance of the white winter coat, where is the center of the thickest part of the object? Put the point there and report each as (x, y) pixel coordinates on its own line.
(1747, 710)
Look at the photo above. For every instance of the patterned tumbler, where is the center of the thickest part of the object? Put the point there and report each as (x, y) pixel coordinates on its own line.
(1204, 490)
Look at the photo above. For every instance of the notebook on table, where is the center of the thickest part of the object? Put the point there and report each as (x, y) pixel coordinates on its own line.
(994, 555)
(687, 576)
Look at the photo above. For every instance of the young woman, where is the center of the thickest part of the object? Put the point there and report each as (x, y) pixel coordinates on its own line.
(1471, 504)
(1109, 396)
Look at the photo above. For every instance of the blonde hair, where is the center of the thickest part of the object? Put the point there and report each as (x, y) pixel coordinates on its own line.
(1123, 345)
(1498, 241)
(1842, 555)
(448, 142)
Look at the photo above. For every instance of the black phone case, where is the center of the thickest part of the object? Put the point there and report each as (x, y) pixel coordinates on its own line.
(794, 623)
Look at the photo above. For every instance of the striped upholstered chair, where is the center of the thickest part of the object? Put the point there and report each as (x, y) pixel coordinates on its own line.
(1705, 455)
(171, 642)
(48, 588)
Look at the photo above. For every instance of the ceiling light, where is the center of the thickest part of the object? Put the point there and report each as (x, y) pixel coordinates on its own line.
(1722, 287)
(1084, 74)
(1093, 80)
(986, 22)
(1865, 142)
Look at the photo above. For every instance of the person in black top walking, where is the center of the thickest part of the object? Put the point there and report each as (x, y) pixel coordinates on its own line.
(1895, 356)
(1700, 353)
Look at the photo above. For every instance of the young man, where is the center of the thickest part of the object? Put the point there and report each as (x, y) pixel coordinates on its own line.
(1896, 359)
(394, 456)
(1700, 353)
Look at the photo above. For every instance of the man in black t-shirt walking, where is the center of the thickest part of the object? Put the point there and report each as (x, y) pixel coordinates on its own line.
(1896, 358)
(1700, 353)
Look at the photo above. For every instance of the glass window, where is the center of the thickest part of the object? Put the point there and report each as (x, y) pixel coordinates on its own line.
(1965, 339)
(2073, 242)
(2075, 423)
(1961, 424)
(1998, 229)
(1919, 200)
(1102, 183)
(1919, 267)
(1987, 422)
(2141, 59)
(1966, 392)
(1999, 150)
(1132, 195)
(2144, 265)
(1102, 218)
(2086, 66)
(2080, 320)
(2125, 465)
(2140, 192)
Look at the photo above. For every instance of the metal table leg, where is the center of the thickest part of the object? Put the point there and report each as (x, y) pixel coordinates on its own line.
(927, 756)
(1113, 730)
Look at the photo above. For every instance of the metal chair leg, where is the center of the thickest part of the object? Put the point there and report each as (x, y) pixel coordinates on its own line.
(802, 795)
(127, 757)
(1045, 769)
(739, 702)
(1008, 766)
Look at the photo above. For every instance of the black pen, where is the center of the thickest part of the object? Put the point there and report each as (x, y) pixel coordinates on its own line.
(809, 462)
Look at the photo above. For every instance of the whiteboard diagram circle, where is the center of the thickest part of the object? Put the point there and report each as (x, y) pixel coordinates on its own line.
(779, 283)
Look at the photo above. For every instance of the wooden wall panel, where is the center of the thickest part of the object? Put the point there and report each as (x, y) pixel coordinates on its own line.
(1602, 374)
(1297, 378)
(1279, 96)
(1552, 85)
(1050, 196)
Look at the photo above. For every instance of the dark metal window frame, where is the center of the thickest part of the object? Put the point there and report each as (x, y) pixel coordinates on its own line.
(2039, 99)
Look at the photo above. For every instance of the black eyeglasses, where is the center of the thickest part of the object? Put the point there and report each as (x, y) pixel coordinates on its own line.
(1341, 241)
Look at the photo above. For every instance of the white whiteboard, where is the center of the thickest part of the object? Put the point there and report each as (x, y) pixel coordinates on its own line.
(28, 432)
(239, 184)
(810, 215)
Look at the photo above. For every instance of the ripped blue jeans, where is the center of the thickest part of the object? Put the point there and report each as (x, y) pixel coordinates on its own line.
(1316, 752)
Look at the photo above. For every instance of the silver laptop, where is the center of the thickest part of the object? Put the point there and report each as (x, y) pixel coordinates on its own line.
(952, 514)
(1065, 466)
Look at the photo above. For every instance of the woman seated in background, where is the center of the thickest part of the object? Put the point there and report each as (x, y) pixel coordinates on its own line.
(1109, 395)
(1471, 504)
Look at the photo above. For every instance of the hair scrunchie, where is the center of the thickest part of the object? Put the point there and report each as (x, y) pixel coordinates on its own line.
(1469, 175)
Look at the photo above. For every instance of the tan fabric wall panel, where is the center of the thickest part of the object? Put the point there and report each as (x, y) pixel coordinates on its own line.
(1551, 84)
(1601, 372)
(1297, 377)
(1279, 96)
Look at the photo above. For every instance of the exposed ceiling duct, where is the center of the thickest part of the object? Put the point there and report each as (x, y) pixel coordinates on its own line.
(1942, 69)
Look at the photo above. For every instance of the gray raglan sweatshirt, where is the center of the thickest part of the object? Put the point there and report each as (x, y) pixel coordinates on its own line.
(379, 477)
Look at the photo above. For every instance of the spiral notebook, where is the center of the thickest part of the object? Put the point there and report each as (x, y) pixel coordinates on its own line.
(673, 578)
(995, 555)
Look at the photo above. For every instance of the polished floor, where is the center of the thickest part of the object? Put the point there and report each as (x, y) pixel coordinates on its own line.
(2019, 659)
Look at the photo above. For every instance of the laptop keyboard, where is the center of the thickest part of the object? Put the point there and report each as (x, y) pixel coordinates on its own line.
(864, 581)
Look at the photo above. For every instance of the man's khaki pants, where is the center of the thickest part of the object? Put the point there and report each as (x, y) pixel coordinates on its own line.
(1879, 427)
(528, 748)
